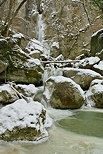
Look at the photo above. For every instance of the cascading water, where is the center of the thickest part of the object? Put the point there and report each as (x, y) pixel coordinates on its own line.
(40, 35)
(40, 28)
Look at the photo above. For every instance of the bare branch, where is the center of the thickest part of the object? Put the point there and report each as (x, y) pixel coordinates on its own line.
(2, 2)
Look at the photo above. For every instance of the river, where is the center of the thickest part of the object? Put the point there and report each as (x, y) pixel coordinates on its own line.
(64, 140)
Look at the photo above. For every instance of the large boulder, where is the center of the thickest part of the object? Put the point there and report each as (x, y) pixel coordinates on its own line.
(21, 67)
(23, 121)
(7, 94)
(83, 77)
(94, 95)
(63, 93)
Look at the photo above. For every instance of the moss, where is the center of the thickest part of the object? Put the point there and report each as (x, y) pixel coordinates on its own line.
(26, 134)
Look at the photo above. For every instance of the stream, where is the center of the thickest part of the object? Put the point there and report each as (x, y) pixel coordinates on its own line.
(73, 132)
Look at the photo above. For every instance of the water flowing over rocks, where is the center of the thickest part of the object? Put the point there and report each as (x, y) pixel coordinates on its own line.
(23, 121)
(83, 77)
(63, 93)
(95, 94)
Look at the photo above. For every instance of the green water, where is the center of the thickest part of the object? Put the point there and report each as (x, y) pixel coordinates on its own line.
(84, 122)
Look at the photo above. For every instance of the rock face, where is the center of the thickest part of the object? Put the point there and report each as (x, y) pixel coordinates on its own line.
(68, 23)
(95, 94)
(23, 121)
(83, 77)
(63, 93)
(21, 67)
(97, 42)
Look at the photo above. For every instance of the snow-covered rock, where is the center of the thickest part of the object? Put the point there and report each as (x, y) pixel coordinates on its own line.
(99, 67)
(83, 77)
(63, 93)
(27, 90)
(87, 63)
(23, 121)
(7, 94)
(35, 48)
(21, 67)
(94, 95)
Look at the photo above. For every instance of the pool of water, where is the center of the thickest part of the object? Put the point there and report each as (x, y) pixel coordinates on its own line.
(63, 140)
(84, 122)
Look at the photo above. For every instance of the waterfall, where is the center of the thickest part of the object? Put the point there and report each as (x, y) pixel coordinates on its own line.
(40, 28)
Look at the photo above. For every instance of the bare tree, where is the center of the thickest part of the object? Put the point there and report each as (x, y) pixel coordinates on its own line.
(11, 16)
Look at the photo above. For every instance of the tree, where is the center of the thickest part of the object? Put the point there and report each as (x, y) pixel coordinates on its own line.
(10, 16)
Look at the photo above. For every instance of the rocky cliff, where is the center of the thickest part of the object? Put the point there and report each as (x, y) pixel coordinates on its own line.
(63, 26)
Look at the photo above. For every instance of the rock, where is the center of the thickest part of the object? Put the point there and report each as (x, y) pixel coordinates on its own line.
(39, 94)
(83, 77)
(27, 90)
(97, 42)
(3, 66)
(65, 22)
(95, 93)
(22, 121)
(21, 67)
(87, 63)
(100, 54)
(35, 48)
(63, 93)
(99, 67)
(7, 94)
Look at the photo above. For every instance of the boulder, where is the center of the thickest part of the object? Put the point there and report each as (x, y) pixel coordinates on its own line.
(63, 93)
(22, 121)
(7, 94)
(83, 77)
(99, 67)
(94, 95)
(21, 67)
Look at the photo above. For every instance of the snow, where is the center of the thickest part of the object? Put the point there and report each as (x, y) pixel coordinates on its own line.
(7, 88)
(18, 35)
(99, 66)
(96, 87)
(97, 32)
(22, 114)
(34, 45)
(33, 61)
(83, 71)
(28, 89)
(89, 61)
(55, 44)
